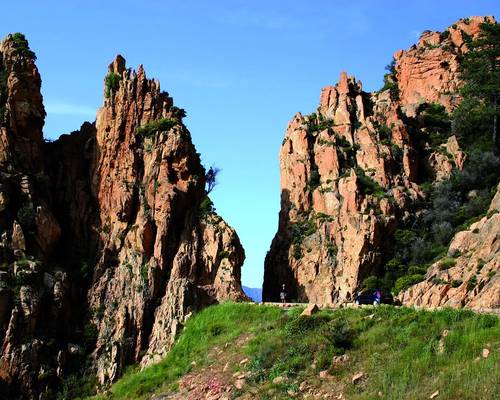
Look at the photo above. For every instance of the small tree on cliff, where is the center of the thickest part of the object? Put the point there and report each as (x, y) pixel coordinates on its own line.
(480, 71)
(211, 178)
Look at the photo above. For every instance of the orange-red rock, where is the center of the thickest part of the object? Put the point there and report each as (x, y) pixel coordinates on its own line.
(103, 231)
(428, 72)
(333, 230)
(475, 274)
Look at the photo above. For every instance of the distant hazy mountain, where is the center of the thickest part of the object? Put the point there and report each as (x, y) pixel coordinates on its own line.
(254, 293)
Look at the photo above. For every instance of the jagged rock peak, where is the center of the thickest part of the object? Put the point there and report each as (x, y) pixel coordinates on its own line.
(429, 70)
(22, 113)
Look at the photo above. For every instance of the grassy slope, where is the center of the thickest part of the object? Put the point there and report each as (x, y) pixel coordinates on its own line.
(402, 352)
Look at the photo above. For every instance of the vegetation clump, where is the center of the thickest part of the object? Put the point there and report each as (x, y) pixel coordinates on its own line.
(479, 111)
(111, 83)
(206, 208)
(22, 46)
(314, 180)
(437, 123)
(368, 185)
(177, 112)
(150, 129)
(300, 230)
(390, 81)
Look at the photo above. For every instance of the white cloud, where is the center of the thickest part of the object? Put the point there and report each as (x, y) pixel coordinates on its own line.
(63, 108)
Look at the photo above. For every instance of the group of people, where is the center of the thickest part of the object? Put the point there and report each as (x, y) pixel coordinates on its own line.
(378, 295)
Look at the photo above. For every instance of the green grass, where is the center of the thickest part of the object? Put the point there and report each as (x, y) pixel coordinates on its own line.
(403, 352)
(211, 327)
(401, 356)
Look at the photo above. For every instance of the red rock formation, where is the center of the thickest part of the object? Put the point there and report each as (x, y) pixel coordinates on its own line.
(107, 244)
(332, 223)
(428, 71)
(350, 172)
(28, 229)
(158, 261)
(469, 276)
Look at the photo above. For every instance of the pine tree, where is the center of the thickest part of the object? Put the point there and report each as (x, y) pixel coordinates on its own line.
(480, 71)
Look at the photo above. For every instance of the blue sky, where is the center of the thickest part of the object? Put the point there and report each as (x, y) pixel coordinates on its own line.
(241, 69)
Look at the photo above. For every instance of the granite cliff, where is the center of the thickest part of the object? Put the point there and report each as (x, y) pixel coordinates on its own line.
(108, 238)
(357, 174)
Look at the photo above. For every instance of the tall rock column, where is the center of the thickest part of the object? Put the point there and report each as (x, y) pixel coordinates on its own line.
(159, 258)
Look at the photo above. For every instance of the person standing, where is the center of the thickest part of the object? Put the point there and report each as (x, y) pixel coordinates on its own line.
(378, 296)
(283, 294)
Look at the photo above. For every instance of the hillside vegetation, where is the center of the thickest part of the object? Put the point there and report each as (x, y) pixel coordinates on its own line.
(271, 353)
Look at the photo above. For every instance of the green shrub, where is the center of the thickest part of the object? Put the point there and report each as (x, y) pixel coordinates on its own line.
(314, 180)
(406, 281)
(177, 112)
(332, 249)
(301, 229)
(112, 83)
(438, 281)
(368, 185)
(444, 35)
(216, 329)
(372, 282)
(150, 129)
(296, 251)
(317, 122)
(206, 208)
(223, 254)
(472, 282)
(456, 283)
(384, 133)
(446, 263)
(391, 84)
(22, 46)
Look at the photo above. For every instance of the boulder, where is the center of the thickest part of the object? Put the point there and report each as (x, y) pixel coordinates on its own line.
(310, 310)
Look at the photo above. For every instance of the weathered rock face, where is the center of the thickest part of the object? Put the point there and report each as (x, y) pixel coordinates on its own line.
(469, 276)
(32, 300)
(158, 261)
(428, 71)
(107, 243)
(342, 187)
(351, 172)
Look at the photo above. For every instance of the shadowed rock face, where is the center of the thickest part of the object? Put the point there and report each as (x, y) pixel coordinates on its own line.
(104, 248)
(351, 172)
